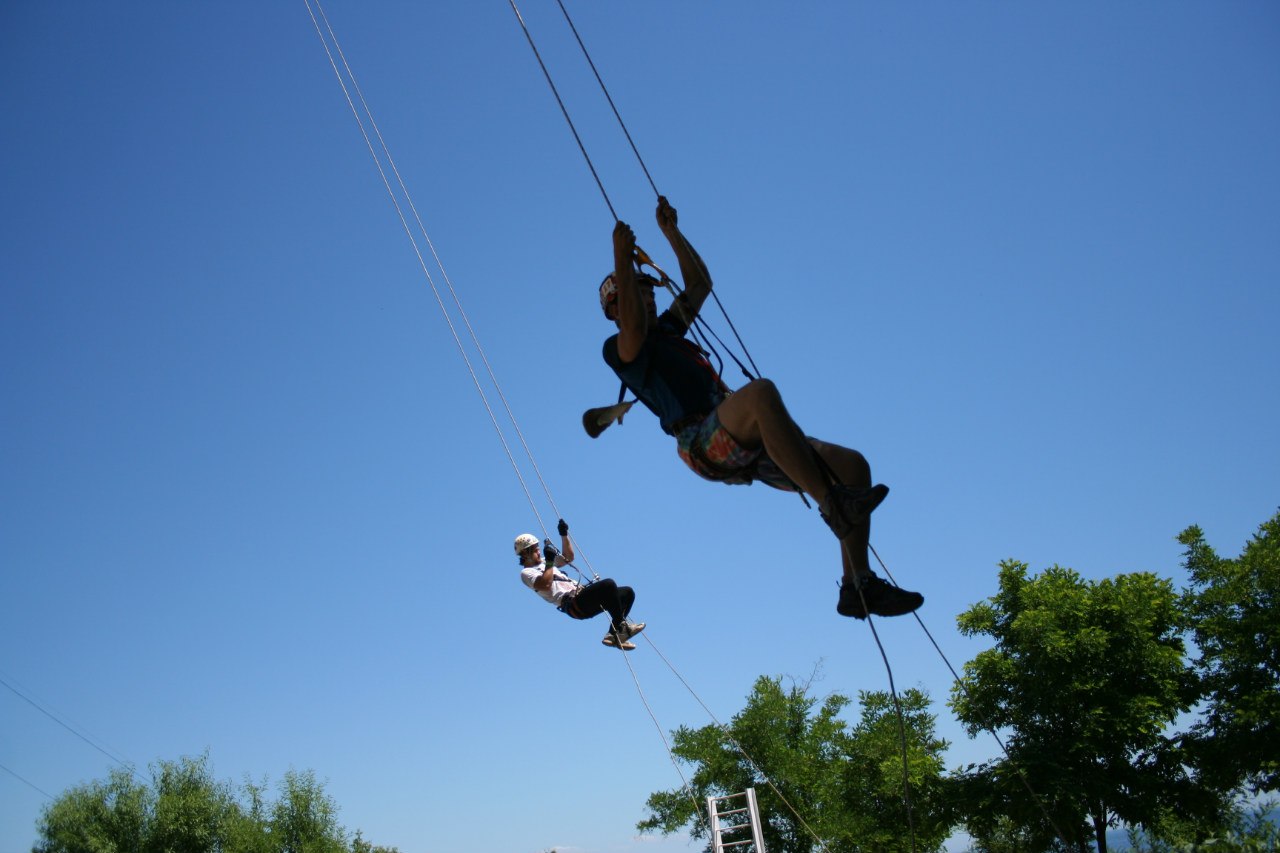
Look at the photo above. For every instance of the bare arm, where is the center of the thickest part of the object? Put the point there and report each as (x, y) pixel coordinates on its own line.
(694, 272)
(633, 320)
(543, 583)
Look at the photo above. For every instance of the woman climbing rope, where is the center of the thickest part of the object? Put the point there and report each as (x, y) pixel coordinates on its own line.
(740, 436)
(543, 576)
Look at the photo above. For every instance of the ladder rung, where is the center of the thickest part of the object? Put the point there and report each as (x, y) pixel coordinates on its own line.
(733, 811)
(735, 827)
(735, 843)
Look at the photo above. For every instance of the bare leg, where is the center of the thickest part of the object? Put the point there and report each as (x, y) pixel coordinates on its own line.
(850, 468)
(756, 417)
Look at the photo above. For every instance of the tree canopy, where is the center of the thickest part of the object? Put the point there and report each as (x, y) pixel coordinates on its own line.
(1106, 716)
(845, 784)
(1233, 607)
(1085, 677)
(185, 809)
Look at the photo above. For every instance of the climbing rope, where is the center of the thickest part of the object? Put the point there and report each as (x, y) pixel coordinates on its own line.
(1022, 776)
(627, 133)
(564, 110)
(736, 745)
(400, 212)
(697, 807)
(608, 97)
(902, 726)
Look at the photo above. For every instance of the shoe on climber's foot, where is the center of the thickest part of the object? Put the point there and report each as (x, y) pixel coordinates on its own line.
(630, 629)
(846, 506)
(612, 642)
(882, 599)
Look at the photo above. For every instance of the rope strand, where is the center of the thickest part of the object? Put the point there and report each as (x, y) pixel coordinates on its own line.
(435, 290)
(609, 98)
(697, 807)
(902, 726)
(563, 110)
(725, 731)
(960, 683)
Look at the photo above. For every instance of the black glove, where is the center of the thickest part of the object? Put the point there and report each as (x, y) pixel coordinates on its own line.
(563, 527)
(549, 552)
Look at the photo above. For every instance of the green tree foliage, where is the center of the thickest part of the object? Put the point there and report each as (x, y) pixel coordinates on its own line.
(846, 784)
(185, 810)
(305, 818)
(97, 817)
(1084, 678)
(1234, 609)
(1251, 830)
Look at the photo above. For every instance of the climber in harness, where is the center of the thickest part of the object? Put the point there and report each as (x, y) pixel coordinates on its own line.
(540, 571)
(737, 436)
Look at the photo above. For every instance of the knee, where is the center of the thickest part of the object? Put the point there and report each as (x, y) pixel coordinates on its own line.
(762, 391)
(850, 465)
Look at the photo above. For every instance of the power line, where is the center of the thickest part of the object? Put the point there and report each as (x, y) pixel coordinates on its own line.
(28, 783)
(34, 704)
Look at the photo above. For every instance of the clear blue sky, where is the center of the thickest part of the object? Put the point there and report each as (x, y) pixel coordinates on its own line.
(1026, 257)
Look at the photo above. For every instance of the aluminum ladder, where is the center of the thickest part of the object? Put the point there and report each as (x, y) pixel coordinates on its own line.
(726, 835)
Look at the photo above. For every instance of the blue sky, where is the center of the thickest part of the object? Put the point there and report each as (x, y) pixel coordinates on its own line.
(1023, 256)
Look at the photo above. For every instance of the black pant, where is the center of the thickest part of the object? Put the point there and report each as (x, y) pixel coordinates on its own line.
(604, 595)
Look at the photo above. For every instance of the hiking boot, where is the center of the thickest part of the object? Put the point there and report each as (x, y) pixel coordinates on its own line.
(881, 598)
(846, 507)
(630, 629)
(612, 641)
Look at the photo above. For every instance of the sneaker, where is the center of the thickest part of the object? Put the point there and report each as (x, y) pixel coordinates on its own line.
(847, 507)
(881, 599)
(612, 642)
(850, 603)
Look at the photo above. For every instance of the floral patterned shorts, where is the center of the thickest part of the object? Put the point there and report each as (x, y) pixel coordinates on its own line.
(713, 454)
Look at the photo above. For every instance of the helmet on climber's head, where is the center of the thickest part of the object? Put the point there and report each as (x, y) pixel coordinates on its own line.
(525, 542)
(609, 290)
(608, 293)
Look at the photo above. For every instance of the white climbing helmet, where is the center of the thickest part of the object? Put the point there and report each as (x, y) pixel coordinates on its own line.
(524, 540)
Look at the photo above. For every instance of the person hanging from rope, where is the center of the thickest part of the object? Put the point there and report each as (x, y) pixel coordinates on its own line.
(540, 571)
(740, 436)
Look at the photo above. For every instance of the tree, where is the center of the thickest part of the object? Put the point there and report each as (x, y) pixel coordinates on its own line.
(845, 784)
(359, 845)
(190, 810)
(305, 818)
(1234, 610)
(99, 816)
(1245, 829)
(186, 809)
(1084, 677)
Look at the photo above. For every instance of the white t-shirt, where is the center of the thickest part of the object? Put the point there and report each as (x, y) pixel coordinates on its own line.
(561, 584)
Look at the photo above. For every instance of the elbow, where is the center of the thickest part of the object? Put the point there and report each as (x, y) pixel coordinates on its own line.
(630, 343)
